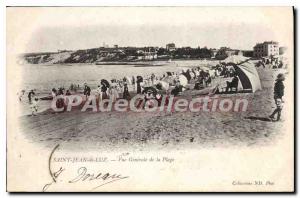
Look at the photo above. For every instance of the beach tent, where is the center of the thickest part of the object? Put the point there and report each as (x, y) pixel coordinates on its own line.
(169, 73)
(248, 76)
(246, 72)
(163, 85)
(139, 79)
(169, 80)
(128, 80)
(105, 82)
(183, 80)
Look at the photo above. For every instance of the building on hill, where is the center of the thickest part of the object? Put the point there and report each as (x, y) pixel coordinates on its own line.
(147, 54)
(266, 49)
(171, 47)
(225, 52)
(213, 52)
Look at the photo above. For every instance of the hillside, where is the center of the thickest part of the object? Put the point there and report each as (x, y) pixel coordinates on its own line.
(115, 54)
(79, 56)
(50, 58)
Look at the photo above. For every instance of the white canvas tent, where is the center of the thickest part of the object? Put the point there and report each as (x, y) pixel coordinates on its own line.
(164, 85)
(247, 73)
(169, 79)
(248, 77)
(183, 80)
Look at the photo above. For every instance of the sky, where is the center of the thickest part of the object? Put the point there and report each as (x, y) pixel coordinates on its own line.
(50, 29)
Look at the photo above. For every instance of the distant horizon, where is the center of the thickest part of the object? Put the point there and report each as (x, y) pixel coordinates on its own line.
(55, 51)
(112, 46)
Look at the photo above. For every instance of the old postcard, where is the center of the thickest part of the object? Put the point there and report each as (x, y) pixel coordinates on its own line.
(150, 99)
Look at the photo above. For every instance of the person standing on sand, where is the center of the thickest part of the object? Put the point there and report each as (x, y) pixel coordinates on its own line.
(133, 83)
(99, 93)
(60, 102)
(113, 92)
(278, 94)
(152, 77)
(53, 93)
(126, 94)
(103, 91)
(66, 101)
(34, 106)
(86, 91)
(30, 95)
(139, 80)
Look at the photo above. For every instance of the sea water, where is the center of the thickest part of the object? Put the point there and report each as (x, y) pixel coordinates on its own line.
(42, 78)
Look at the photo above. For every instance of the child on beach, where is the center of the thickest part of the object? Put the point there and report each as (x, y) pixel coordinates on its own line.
(34, 106)
(31, 94)
(278, 94)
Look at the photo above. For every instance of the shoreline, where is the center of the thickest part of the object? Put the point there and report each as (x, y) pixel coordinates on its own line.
(163, 130)
(138, 62)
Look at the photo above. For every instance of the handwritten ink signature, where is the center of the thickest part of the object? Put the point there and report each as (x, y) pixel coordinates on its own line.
(106, 177)
(82, 175)
(55, 174)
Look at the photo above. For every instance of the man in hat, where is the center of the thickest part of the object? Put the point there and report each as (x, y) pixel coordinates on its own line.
(278, 94)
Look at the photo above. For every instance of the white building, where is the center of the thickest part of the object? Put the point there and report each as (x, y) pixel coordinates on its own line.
(266, 49)
(171, 47)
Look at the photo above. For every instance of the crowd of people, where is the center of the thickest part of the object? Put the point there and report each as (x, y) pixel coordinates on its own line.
(153, 86)
(32, 100)
(271, 62)
(171, 83)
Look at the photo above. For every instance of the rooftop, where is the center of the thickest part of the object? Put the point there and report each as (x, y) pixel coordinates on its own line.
(266, 43)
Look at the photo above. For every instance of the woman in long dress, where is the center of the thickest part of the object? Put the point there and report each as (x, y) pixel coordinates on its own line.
(139, 82)
(126, 94)
(133, 83)
(113, 92)
(98, 94)
(103, 91)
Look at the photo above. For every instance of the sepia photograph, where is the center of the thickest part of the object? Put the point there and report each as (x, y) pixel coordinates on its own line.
(150, 99)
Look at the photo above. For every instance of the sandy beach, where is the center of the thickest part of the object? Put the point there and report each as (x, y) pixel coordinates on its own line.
(163, 130)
